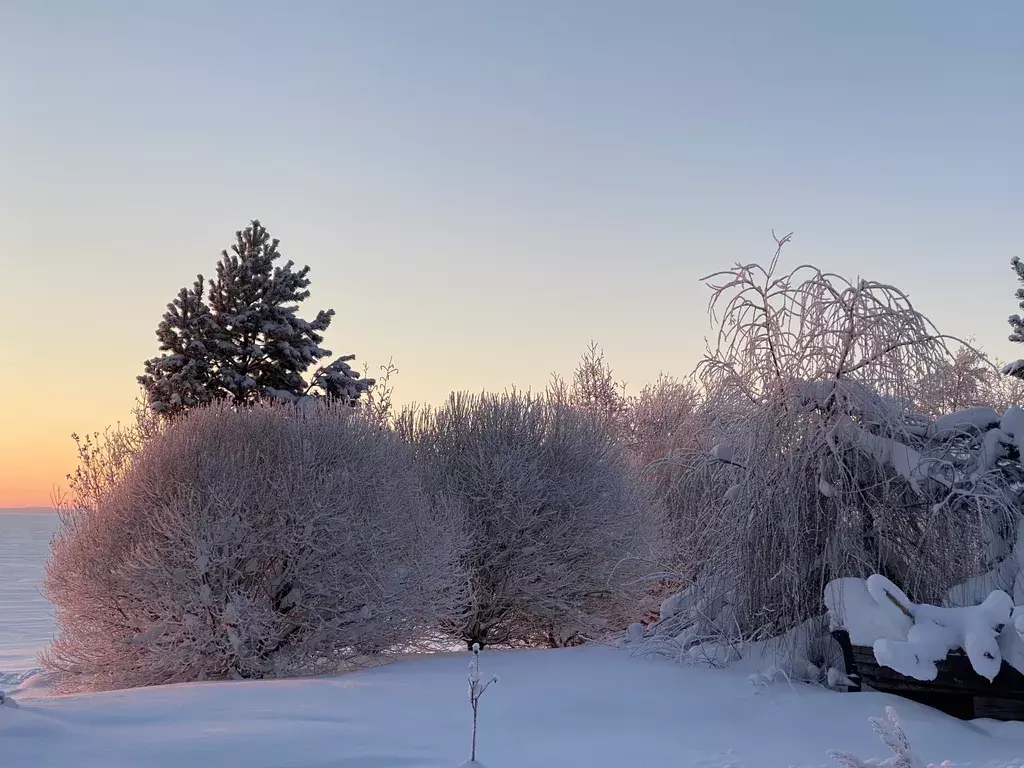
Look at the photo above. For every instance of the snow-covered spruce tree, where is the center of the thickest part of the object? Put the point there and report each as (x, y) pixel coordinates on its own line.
(812, 462)
(247, 543)
(1016, 323)
(558, 526)
(183, 377)
(246, 341)
(1016, 368)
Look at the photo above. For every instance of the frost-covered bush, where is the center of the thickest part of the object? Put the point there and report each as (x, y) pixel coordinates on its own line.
(660, 420)
(250, 543)
(812, 461)
(593, 388)
(558, 527)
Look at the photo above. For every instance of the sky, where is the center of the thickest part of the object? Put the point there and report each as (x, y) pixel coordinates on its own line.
(482, 188)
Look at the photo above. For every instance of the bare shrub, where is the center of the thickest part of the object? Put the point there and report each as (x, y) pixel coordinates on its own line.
(377, 403)
(558, 527)
(652, 424)
(965, 380)
(809, 461)
(246, 544)
(594, 387)
(477, 688)
(105, 457)
(661, 419)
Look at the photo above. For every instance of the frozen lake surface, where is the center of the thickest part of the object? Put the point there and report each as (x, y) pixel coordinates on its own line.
(26, 624)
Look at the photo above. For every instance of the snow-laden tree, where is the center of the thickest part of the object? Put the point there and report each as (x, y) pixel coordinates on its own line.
(1015, 321)
(1016, 368)
(812, 462)
(183, 377)
(558, 526)
(246, 341)
(247, 543)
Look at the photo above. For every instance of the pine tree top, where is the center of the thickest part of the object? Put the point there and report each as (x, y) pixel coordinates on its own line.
(245, 340)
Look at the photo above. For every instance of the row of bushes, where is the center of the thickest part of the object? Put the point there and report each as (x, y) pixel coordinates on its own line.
(832, 431)
(279, 540)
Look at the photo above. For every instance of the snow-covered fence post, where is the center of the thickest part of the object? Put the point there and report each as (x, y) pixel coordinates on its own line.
(476, 690)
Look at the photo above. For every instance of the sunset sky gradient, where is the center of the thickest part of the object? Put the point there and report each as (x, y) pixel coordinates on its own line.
(480, 188)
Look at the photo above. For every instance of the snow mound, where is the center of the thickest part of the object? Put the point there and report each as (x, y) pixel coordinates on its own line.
(853, 608)
(911, 638)
(937, 631)
(723, 452)
(7, 701)
(979, 418)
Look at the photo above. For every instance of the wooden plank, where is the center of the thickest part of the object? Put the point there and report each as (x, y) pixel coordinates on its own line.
(842, 637)
(998, 708)
(954, 672)
(957, 690)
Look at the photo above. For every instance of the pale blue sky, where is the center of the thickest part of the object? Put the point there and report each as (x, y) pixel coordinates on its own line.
(480, 188)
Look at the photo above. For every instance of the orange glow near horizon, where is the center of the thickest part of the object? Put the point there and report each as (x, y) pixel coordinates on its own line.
(36, 449)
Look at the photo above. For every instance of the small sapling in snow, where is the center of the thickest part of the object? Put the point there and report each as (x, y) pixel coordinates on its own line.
(477, 686)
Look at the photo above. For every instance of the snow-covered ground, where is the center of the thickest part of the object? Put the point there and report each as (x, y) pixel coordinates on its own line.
(590, 707)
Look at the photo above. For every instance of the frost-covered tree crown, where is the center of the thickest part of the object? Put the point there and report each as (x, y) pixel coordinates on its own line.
(245, 341)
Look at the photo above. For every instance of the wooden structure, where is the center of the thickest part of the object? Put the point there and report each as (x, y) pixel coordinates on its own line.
(957, 690)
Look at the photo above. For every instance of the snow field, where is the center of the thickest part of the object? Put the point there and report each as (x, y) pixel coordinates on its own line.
(591, 707)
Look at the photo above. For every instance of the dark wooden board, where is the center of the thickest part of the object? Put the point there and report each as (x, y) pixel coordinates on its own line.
(957, 690)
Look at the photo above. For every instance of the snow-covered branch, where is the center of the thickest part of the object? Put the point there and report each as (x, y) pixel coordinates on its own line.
(891, 733)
